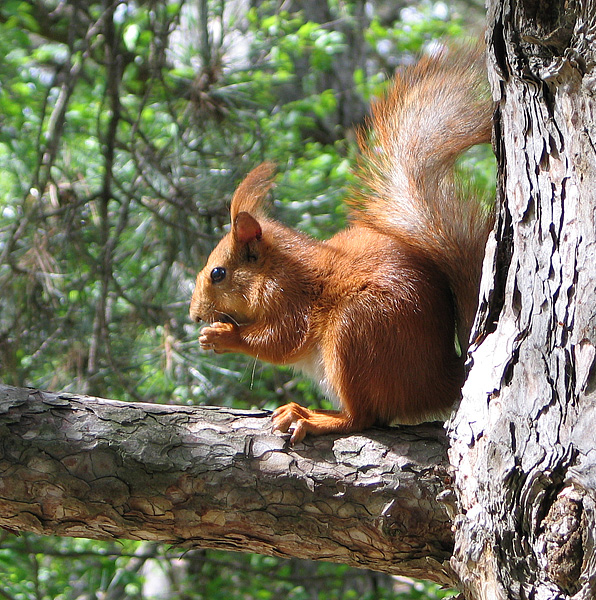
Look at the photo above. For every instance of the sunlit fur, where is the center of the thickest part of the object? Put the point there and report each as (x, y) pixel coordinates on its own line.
(370, 313)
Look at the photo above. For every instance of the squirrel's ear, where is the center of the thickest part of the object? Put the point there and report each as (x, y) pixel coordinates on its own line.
(246, 228)
(251, 193)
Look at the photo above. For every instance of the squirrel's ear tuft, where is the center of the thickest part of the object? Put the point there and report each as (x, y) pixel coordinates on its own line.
(251, 193)
(245, 228)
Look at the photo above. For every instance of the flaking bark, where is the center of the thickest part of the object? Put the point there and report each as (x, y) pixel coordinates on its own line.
(523, 439)
(219, 478)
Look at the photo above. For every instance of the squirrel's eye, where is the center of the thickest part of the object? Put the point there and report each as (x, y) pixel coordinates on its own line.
(218, 274)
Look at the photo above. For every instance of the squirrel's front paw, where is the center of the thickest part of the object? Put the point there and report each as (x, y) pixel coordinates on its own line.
(219, 337)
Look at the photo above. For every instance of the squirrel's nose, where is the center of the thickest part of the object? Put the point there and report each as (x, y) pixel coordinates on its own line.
(194, 313)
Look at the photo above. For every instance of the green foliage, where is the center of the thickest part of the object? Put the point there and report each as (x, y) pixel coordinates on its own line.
(122, 137)
(35, 568)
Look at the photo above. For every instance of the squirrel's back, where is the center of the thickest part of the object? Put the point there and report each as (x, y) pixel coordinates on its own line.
(434, 111)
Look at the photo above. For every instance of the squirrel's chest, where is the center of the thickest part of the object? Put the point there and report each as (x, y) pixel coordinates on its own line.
(312, 366)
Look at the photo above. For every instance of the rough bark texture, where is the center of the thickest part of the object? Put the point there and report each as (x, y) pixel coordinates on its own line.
(523, 439)
(217, 477)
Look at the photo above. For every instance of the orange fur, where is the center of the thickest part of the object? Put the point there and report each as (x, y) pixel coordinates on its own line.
(371, 313)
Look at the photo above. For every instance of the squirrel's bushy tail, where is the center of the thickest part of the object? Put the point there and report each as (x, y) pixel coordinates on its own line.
(433, 112)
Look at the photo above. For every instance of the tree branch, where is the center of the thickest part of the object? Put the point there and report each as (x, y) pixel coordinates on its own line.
(219, 478)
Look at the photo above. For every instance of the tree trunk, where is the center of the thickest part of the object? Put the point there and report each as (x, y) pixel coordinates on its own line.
(523, 439)
(219, 478)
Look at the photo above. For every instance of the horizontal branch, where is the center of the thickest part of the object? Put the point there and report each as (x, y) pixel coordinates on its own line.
(219, 478)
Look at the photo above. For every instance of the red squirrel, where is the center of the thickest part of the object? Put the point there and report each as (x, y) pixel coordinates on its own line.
(372, 314)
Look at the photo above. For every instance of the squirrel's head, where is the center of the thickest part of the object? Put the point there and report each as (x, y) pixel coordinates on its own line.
(229, 287)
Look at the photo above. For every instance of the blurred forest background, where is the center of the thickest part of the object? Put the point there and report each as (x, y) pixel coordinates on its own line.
(124, 128)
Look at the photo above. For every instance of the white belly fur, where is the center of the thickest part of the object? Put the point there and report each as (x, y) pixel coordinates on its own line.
(312, 366)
